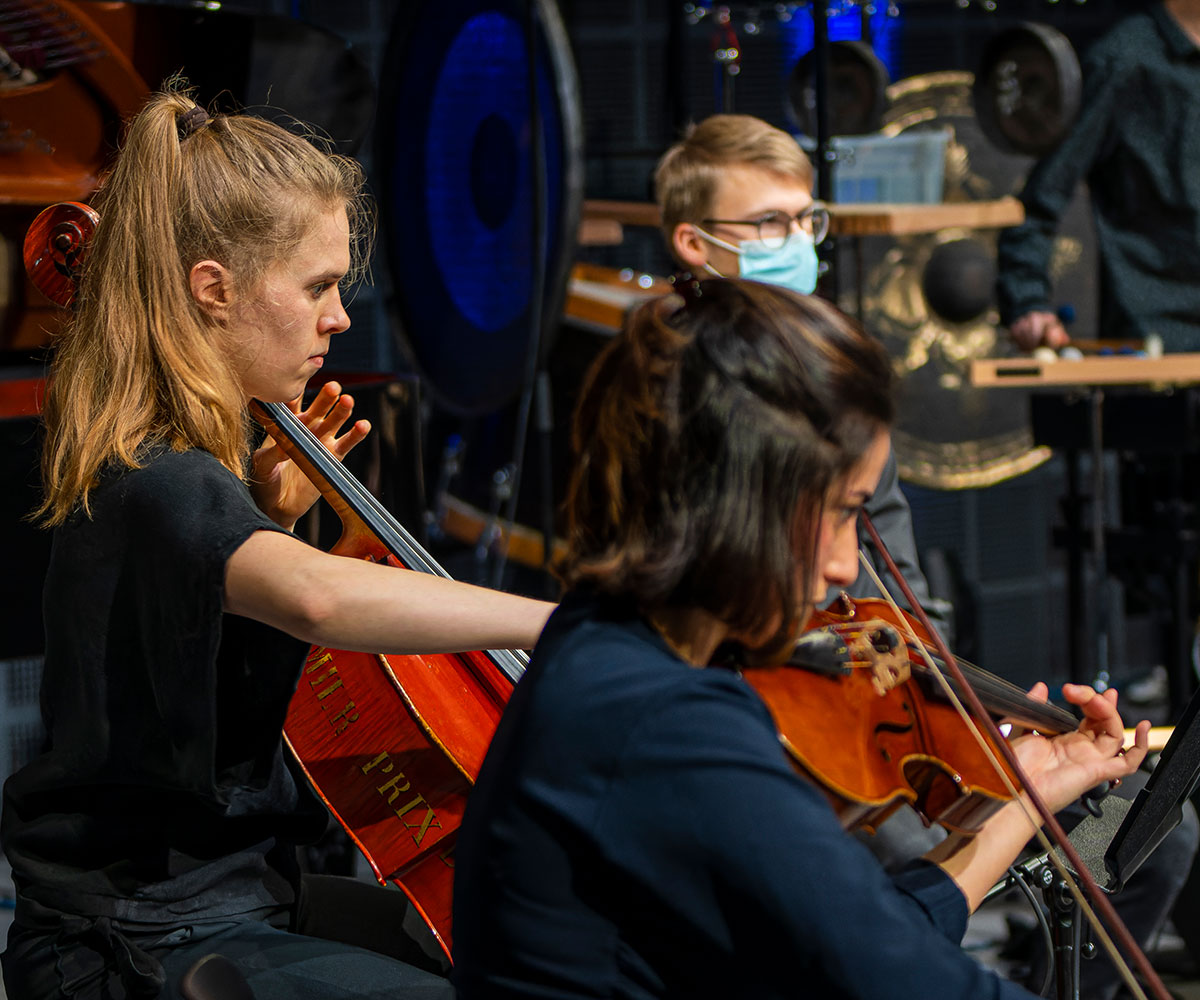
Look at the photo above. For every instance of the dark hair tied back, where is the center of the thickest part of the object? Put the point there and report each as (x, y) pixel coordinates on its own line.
(191, 121)
(707, 439)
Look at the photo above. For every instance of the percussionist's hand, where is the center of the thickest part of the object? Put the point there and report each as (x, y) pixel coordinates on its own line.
(279, 488)
(1064, 767)
(1035, 329)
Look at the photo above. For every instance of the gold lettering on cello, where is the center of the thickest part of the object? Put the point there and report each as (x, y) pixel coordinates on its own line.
(315, 660)
(394, 786)
(342, 719)
(313, 682)
(428, 819)
(372, 764)
(391, 790)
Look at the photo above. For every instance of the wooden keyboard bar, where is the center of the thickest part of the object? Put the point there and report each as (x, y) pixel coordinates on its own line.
(1171, 369)
(903, 220)
(853, 219)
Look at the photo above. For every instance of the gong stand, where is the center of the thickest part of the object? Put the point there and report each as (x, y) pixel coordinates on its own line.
(826, 154)
(536, 378)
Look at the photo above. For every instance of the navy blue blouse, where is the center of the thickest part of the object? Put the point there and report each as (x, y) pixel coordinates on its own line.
(636, 831)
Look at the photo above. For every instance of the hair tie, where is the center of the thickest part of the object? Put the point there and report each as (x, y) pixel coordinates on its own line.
(688, 287)
(191, 121)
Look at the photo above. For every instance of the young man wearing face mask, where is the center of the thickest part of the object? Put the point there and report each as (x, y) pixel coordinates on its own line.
(736, 200)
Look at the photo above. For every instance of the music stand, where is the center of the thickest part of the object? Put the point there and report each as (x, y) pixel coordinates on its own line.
(1115, 839)
(1158, 808)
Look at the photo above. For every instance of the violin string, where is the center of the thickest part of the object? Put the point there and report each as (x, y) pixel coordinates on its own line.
(947, 690)
(1005, 697)
(1089, 914)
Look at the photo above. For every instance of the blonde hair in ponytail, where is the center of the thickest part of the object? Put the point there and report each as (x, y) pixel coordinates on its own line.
(141, 363)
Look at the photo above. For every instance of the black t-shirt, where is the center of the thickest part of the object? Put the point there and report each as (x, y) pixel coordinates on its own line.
(165, 791)
(1136, 142)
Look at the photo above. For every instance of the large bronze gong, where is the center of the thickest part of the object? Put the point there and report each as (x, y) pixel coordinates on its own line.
(929, 297)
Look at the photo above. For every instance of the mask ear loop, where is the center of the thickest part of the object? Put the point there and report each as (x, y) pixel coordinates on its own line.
(717, 241)
(709, 238)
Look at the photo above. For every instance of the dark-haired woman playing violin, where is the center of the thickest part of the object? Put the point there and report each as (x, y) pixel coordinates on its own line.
(636, 830)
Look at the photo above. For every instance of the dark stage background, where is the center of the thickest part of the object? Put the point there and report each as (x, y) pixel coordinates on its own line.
(644, 71)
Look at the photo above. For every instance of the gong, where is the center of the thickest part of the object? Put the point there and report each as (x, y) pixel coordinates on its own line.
(1028, 88)
(857, 90)
(463, 182)
(929, 299)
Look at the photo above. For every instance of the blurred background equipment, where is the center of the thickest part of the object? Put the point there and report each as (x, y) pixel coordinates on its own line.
(1027, 89)
(434, 100)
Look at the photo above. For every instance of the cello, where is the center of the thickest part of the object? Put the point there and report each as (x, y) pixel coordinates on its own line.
(391, 744)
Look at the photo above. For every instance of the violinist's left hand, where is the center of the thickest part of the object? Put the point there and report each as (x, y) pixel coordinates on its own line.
(1060, 768)
(1063, 767)
(279, 488)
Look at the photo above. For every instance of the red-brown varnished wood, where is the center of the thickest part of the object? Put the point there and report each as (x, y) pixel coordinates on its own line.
(392, 744)
(912, 745)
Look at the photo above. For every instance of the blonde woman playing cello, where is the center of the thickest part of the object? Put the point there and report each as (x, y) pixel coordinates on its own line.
(160, 825)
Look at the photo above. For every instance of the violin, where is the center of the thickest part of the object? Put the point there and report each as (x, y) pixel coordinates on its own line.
(855, 677)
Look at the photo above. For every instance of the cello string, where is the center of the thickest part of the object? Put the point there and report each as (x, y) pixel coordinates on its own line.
(340, 479)
(380, 522)
(1068, 850)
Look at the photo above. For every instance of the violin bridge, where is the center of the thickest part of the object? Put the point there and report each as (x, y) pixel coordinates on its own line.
(887, 657)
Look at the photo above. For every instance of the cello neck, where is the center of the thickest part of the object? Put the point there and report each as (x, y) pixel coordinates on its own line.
(360, 510)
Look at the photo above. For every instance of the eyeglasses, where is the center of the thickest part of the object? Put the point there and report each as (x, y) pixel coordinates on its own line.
(774, 227)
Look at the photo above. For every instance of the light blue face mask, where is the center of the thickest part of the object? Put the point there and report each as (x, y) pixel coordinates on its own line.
(793, 265)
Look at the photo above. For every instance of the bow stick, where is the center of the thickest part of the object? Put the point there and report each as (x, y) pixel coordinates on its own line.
(980, 715)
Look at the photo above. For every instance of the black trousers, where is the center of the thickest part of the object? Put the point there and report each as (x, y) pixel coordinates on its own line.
(346, 941)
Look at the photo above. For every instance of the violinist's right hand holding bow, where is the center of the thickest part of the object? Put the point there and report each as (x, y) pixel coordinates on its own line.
(1061, 769)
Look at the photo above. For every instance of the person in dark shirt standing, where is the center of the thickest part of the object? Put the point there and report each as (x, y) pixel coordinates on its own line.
(1137, 145)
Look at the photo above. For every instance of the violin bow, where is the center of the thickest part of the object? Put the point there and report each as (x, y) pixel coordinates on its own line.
(980, 716)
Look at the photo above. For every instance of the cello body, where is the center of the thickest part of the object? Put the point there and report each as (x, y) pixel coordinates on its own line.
(392, 744)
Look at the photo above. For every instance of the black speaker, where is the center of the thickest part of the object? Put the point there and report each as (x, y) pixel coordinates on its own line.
(462, 180)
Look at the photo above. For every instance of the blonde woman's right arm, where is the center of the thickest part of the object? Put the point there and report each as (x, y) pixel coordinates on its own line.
(349, 603)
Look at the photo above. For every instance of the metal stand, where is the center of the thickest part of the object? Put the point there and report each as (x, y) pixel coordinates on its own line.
(1063, 935)
(1066, 931)
(1102, 673)
(1088, 663)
